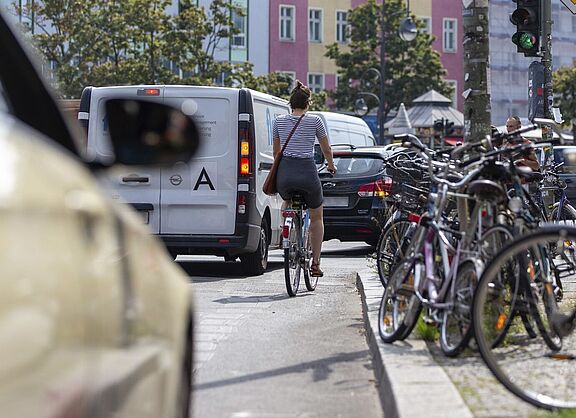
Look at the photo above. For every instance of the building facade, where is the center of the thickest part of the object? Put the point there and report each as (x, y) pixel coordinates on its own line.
(291, 36)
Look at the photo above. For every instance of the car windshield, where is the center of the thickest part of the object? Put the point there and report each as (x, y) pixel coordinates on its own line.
(568, 156)
(357, 166)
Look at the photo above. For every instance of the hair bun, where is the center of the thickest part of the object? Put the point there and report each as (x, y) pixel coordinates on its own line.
(299, 84)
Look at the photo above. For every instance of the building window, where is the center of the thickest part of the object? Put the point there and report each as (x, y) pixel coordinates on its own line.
(287, 23)
(239, 22)
(315, 25)
(316, 82)
(454, 96)
(341, 26)
(449, 35)
(427, 24)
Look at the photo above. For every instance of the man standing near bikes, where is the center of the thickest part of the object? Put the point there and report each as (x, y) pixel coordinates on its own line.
(297, 171)
(527, 158)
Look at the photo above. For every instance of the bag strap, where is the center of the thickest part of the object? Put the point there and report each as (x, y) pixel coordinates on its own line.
(290, 136)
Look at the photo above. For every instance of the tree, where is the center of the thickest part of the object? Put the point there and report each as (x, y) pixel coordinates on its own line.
(564, 81)
(115, 42)
(412, 68)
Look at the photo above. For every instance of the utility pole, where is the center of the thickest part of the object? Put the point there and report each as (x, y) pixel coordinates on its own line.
(476, 70)
(476, 82)
(546, 13)
(382, 74)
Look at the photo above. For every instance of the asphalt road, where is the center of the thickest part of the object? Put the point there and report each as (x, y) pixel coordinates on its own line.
(260, 353)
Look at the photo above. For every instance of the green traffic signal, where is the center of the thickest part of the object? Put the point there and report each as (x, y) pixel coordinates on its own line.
(528, 24)
(525, 40)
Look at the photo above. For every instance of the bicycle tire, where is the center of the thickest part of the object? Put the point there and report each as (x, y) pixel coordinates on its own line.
(456, 328)
(508, 303)
(292, 265)
(529, 368)
(309, 280)
(540, 300)
(391, 247)
(394, 323)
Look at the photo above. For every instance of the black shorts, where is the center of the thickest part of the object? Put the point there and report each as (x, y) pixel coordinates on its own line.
(300, 175)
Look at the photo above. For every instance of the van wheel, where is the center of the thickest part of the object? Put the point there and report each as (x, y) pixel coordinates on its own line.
(254, 264)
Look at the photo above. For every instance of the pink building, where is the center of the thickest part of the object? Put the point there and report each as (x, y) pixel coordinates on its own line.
(300, 30)
(448, 30)
(289, 38)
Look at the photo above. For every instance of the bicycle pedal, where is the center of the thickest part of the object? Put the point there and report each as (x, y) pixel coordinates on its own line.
(428, 320)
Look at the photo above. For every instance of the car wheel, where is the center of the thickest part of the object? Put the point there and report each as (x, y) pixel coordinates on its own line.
(255, 264)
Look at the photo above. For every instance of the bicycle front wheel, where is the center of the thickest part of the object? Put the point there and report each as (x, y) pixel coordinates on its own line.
(540, 370)
(400, 306)
(292, 255)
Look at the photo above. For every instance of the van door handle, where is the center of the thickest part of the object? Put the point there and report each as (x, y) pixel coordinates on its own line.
(135, 179)
(264, 166)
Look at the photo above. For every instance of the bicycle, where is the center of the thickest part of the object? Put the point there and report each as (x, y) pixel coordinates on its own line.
(539, 369)
(297, 246)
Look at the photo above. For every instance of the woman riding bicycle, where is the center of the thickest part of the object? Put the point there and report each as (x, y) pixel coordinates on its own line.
(297, 172)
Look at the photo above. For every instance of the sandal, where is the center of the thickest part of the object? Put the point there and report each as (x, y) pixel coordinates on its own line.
(315, 270)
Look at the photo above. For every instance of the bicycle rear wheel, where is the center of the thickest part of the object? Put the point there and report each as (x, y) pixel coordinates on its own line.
(292, 255)
(456, 329)
(309, 280)
(540, 370)
(391, 247)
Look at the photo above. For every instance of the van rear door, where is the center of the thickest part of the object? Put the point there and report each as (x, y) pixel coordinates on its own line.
(199, 197)
(139, 186)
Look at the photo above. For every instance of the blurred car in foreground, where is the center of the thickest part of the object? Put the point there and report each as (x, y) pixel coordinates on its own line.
(355, 197)
(95, 317)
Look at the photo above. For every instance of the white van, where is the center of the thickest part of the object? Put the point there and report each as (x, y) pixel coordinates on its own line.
(212, 204)
(346, 130)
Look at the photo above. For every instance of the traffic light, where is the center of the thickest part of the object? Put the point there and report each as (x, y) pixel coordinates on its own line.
(448, 128)
(439, 126)
(526, 17)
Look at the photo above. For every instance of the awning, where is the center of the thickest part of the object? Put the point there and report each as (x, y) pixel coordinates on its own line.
(453, 140)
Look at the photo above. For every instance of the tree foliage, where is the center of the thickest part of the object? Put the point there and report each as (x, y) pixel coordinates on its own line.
(411, 68)
(564, 82)
(122, 42)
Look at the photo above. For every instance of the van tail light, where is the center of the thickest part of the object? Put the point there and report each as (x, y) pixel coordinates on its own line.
(246, 152)
(379, 188)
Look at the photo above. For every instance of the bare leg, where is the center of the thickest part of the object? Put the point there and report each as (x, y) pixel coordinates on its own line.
(316, 232)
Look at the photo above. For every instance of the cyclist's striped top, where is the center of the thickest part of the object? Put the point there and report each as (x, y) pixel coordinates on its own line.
(302, 143)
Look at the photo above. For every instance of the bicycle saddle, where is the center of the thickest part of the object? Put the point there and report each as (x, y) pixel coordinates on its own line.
(487, 190)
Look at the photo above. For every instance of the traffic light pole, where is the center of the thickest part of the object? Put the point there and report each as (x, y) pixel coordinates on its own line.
(546, 14)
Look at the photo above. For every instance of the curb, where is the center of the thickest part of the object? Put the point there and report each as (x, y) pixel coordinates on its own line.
(410, 382)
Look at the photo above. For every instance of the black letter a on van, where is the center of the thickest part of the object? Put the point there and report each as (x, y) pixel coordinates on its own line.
(204, 179)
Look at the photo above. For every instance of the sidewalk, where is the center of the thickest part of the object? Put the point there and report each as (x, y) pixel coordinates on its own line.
(411, 383)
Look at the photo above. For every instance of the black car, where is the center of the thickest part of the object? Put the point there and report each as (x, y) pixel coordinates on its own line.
(355, 197)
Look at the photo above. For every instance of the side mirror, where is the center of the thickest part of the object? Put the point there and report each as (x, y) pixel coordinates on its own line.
(318, 154)
(149, 133)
